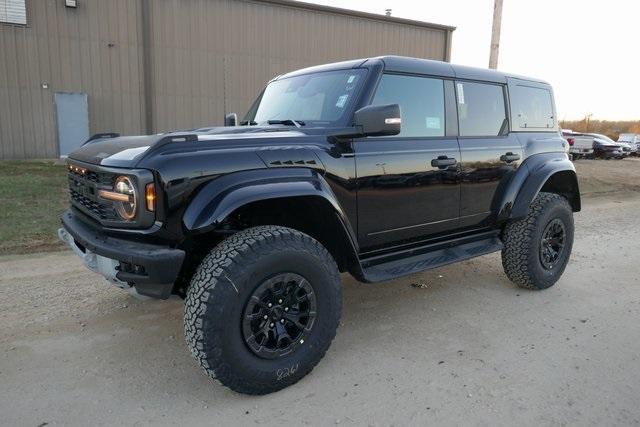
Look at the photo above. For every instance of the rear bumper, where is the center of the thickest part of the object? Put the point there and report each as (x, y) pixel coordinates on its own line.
(581, 151)
(151, 269)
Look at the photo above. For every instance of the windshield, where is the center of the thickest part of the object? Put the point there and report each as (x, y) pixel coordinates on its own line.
(317, 99)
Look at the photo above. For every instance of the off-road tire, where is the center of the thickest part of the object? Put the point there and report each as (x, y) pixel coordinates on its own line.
(521, 239)
(218, 295)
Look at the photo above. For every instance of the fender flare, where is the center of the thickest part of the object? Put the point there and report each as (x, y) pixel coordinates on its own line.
(529, 180)
(221, 196)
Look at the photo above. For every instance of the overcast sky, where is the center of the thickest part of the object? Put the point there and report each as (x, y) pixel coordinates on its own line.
(589, 50)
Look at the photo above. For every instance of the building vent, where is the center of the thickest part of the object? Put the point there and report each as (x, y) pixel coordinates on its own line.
(13, 12)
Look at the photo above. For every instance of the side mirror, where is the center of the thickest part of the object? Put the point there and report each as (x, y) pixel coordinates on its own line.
(231, 119)
(378, 120)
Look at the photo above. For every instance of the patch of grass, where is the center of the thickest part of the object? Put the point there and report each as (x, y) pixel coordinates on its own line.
(33, 194)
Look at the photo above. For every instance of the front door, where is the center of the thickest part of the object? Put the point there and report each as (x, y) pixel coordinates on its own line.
(408, 184)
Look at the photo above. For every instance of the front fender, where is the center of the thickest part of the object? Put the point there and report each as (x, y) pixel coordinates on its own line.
(220, 197)
(530, 178)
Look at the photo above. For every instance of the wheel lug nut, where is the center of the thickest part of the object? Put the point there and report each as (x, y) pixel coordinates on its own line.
(272, 325)
(279, 301)
(266, 317)
(281, 320)
(269, 305)
(286, 309)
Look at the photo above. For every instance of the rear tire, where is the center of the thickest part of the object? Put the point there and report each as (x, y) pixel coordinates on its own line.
(537, 248)
(268, 271)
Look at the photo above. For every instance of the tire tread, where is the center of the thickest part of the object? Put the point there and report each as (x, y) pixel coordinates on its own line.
(229, 260)
(517, 240)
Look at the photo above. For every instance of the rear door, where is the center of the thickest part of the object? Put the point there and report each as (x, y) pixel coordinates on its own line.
(489, 152)
(408, 184)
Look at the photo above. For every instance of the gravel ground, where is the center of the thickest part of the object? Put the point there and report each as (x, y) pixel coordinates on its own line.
(456, 345)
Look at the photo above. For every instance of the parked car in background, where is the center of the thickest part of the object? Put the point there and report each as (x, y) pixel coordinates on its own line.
(580, 145)
(633, 139)
(606, 148)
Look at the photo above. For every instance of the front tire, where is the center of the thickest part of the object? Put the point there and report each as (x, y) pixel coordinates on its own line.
(270, 271)
(537, 248)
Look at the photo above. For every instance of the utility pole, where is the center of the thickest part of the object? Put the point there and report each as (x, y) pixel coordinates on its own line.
(495, 34)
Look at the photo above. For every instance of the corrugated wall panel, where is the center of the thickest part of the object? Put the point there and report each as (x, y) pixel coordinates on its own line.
(69, 50)
(207, 57)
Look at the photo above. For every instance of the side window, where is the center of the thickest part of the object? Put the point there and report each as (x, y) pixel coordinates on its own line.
(481, 110)
(421, 103)
(532, 107)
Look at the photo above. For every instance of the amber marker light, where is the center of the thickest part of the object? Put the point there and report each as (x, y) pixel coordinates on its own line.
(77, 169)
(150, 197)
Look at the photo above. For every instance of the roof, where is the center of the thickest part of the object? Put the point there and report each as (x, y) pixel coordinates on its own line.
(445, 69)
(405, 64)
(358, 14)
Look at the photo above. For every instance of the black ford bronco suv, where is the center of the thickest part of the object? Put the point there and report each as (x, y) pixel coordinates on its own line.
(381, 167)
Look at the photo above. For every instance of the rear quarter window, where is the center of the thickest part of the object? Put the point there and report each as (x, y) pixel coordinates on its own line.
(532, 108)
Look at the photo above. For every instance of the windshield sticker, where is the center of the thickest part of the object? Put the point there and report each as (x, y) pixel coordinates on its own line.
(351, 79)
(433, 122)
(342, 100)
(460, 93)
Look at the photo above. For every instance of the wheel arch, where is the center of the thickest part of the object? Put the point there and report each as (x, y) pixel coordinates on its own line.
(547, 172)
(297, 198)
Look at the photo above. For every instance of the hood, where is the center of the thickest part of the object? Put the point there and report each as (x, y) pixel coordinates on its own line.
(128, 151)
(121, 149)
(605, 143)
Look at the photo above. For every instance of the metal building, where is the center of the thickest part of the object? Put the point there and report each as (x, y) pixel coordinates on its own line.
(70, 68)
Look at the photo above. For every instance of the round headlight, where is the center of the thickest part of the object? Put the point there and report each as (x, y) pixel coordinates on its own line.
(126, 209)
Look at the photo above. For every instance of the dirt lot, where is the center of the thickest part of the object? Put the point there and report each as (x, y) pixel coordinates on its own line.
(467, 348)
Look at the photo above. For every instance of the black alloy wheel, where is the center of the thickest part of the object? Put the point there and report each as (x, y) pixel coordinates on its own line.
(552, 243)
(279, 315)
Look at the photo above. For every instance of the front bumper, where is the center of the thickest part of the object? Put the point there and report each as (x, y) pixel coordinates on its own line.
(151, 269)
(613, 154)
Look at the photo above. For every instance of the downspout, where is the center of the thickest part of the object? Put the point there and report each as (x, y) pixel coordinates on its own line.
(447, 45)
(147, 68)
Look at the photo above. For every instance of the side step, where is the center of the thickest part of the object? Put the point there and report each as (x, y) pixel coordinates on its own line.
(429, 260)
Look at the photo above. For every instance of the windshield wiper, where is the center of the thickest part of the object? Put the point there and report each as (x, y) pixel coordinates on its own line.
(288, 122)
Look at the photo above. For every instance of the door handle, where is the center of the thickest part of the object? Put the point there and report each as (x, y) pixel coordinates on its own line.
(443, 162)
(509, 157)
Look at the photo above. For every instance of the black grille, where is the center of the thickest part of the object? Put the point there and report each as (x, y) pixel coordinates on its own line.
(83, 191)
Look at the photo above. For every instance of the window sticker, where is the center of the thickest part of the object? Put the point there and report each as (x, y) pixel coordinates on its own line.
(351, 79)
(460, 88)
(342, 100)
(433, 122)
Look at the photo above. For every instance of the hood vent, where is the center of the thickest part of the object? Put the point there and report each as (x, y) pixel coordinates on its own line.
(292, 162)
(290, 157)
